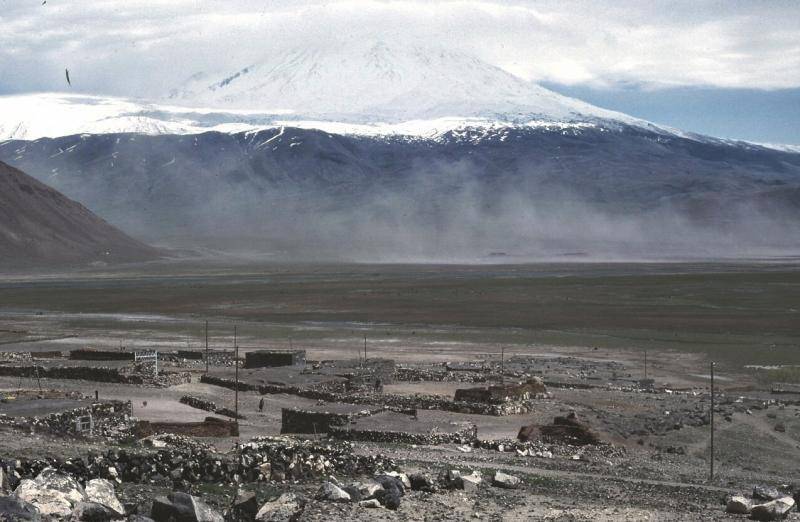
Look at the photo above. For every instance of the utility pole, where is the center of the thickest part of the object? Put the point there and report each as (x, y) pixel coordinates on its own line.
(236, 373)
(711, 474)
(502, 364)
(206, 347)
(365, 348)
(645, 364)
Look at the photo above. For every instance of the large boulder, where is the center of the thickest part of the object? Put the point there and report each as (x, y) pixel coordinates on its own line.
(502, 480)
(13, 509)
(773, 510)
(283, 509)
(54, 494)
(182, 507)
(333, 493)
(102, 492)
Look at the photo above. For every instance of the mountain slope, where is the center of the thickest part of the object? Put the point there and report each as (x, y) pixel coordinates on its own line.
(531, 191)
(40, 226)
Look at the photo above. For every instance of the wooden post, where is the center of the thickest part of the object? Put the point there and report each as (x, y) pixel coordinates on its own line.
(206, 347)
(711, 474)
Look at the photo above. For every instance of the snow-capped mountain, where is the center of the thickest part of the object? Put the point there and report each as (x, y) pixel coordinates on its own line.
(375, 153)
(367, 83)
(364, 90)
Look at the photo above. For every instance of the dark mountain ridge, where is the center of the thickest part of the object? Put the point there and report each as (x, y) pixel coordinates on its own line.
(528, 190)
(40, 226)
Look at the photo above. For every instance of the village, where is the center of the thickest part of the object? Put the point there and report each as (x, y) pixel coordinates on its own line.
(282, 434)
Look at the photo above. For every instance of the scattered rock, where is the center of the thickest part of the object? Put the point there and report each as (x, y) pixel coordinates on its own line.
(773, 510)
(331, 492)
(282, 509)
(502, 480)
(739, 505)
(371, 503)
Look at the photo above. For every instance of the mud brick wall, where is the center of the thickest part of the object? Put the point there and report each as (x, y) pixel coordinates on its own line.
(269, 358)
(100, 355)
(210, 427)
(295, 420)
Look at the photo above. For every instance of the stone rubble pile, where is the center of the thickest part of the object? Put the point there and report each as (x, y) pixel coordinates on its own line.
(110, 419)
(181, 462)
(285, 458)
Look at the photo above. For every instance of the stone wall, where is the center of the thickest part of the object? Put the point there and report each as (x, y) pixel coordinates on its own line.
(128, 375)
(205, 405)
(465, 436)
(86, 373)
(396, 402)
(500, 394)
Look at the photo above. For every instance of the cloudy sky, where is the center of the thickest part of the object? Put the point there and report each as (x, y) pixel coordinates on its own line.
(728, 68)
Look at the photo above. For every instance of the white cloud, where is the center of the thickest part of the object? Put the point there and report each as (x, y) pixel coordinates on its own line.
(137, 47)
